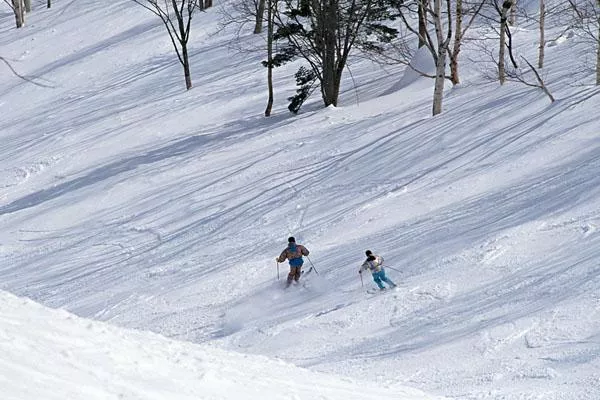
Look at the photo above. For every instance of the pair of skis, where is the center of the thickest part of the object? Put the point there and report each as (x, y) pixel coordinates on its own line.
(303, 273)
(382, 291)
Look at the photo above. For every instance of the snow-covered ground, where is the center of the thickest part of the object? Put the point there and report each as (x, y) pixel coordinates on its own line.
(52, 354)
(126, 199)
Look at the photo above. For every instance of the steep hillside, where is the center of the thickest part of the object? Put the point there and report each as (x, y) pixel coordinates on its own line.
(124, 198)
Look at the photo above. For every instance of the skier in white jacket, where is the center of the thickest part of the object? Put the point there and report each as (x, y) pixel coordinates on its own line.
(374, 263)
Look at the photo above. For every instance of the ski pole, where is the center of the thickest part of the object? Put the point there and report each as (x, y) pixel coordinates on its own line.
(277, 270)
(361, 280)
(313, 265)
(392, 268)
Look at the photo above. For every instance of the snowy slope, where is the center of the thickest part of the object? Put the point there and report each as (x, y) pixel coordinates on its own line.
(125, 199)
(51, 354)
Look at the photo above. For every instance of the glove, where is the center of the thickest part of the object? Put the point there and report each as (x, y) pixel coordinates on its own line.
(360, 271)
(277, 259)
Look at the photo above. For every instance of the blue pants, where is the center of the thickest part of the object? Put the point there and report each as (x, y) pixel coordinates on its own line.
(380, 276)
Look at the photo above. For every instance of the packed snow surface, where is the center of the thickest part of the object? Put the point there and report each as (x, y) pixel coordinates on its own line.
(154, 214)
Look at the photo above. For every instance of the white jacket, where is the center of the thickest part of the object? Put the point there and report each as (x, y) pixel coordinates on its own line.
(375, 265)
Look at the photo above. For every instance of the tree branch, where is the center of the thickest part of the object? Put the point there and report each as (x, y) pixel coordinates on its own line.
(5, 61)
(517, 76)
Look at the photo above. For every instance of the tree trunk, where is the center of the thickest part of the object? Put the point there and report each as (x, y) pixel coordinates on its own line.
(183, 41)
(503, 26)
(338, 81)
(186, 66)
(541, 83)
(328, 84)
(19, 12)
(208, 4)
(454, 77)
(598, 55)
(438, 91)
(542, 34)
(328, 31)
(269, 54)
(49, 4)
(442, 52)
(260, 11)
(423, 4)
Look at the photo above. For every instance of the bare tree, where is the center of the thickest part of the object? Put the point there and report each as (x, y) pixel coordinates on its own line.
(520, 75)
(242, 13)
(178, 29)
(459, 33)
(528, 74)
(586, 16)
(540, 82)
(555, 15)
(439, 13)
(247, 12)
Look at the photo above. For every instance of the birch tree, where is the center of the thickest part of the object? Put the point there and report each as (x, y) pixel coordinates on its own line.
(554, 14)
(504, 32)
(443, 41)
(462, 10)
(542, 34)
(439, 14)
(525, 74)
(176, 16)
(586, 16)
(18, 7)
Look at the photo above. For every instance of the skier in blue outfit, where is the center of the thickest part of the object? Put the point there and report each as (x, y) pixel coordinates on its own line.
(293, 253)
(374, 263)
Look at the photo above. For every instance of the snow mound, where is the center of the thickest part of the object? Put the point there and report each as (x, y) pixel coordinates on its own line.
(52, 354)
